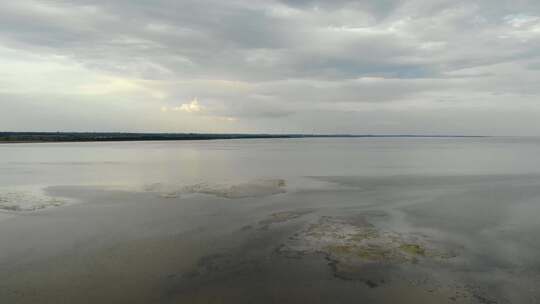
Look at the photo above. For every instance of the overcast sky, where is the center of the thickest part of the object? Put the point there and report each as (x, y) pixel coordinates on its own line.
(370, 66)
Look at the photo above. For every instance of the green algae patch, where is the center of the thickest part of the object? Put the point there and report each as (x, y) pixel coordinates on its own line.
(375, 253)
(365, 234)
(284, 216)
(413, 249)
(280, 217)
(353, 245)
(339, 249)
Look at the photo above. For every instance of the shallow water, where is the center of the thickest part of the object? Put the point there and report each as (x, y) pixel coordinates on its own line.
(376, 220)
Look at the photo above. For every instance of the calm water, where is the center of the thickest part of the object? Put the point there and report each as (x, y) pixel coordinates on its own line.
(380, 220)
(139, 162)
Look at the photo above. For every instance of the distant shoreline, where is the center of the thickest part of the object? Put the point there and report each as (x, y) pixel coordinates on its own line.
(44, 137)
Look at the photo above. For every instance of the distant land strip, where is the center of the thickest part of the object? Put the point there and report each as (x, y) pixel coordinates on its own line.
(28, 137)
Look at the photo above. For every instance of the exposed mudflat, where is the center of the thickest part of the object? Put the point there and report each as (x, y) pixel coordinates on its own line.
(251, 188)
(27, 200)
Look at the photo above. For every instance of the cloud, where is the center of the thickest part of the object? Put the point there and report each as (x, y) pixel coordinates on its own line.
(272, 64)
(191, 107)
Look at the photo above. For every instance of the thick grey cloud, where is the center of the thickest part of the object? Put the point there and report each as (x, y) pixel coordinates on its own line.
(283, 65)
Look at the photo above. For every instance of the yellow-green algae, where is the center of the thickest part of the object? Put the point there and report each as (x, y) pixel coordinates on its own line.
(284, 216)
(349, 243)
(339, 249)
(413, 249)
(369, 233)
(375, 253)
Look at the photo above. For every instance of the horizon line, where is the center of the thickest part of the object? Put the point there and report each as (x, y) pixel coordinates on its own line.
(61, 136)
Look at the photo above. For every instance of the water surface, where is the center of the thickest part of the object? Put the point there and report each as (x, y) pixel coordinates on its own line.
(377, 220)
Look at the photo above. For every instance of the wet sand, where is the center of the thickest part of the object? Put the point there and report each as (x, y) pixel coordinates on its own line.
(341, 239)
